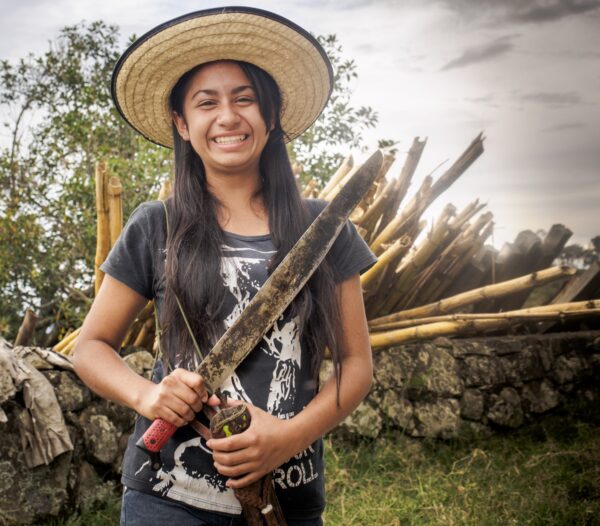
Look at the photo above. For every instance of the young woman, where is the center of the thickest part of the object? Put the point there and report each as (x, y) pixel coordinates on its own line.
(226, 88)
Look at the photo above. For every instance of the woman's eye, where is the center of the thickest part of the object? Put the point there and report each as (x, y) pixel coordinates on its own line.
(206, 103)
(246, 100)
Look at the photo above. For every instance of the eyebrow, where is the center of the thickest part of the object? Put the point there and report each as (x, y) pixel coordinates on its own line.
(213, 92)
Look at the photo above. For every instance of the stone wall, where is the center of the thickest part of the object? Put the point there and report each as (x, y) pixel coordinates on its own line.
(445, 389)
(472, 387)
(78, 479)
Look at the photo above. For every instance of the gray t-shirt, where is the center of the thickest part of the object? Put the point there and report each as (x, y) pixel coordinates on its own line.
(275, 376)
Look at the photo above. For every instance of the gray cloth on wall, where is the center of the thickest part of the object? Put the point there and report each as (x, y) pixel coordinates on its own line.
(44, 434)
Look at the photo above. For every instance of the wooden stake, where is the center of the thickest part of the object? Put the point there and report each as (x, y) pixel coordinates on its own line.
(27, 328)
(115, 209)
(102, 228)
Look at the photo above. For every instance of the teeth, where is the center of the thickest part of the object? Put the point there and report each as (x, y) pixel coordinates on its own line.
(229, 140)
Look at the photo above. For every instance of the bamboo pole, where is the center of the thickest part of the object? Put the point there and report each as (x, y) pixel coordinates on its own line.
(367, 201)
(62, 344)
(115, 208)
(472, 296)
(531, 313)
(27, 328)
(400, 246)
(455, 328)
(68, 350)
(309, 188)
(166, 189)
(411, 265)
(145, 330)
(403, 182)
(102, 228)
(413, 209)
(340, 173)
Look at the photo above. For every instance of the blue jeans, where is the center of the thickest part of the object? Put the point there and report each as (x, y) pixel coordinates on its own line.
(143, 509)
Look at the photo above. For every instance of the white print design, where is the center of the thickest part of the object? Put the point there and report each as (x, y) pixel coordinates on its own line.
(281, 343)
(293, 475)
(243, 271)
(187, 485)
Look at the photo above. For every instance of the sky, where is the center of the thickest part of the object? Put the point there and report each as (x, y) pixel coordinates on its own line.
(525, 72)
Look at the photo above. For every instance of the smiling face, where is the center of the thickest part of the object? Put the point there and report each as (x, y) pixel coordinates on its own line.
(222, 120)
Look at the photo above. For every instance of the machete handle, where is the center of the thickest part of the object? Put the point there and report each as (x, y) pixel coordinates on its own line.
(156, 436)
(230, 420)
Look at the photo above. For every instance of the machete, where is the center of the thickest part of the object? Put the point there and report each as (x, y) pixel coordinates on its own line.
(275, 295)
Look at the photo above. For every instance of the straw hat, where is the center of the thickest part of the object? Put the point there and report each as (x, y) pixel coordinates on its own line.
(149, 69)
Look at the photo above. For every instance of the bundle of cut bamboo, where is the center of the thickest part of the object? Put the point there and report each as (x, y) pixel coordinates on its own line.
(446, 282)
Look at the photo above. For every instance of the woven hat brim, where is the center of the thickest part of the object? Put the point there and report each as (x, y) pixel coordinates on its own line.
(149, 69)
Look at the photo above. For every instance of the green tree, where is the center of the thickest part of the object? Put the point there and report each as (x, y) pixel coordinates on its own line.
(61, 121)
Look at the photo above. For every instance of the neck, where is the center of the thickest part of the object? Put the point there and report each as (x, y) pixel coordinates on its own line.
(242, 209)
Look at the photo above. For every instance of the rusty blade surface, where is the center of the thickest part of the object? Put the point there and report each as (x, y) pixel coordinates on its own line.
(287, 279)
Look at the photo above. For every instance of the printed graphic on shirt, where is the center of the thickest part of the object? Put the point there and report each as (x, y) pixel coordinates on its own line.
(269, 378)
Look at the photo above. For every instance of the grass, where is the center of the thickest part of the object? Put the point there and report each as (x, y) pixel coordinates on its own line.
(547, 473)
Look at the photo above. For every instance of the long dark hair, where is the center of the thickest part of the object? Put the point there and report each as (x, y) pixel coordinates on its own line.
(195, 239)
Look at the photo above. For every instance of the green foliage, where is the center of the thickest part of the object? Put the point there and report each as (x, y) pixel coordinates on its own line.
(64, 120)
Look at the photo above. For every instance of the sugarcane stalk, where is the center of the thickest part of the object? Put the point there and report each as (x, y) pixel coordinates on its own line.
(339, 174)
(367, 201)
(473, 296)
(115, 208)
(455, 328)
(68, 350)
(415, 261)
(166, 189)
(413, 209)
(102, 226)
(531, 313)
(403, 182)
(309, 188)
(397, 248)
(145, 330)
(60, 346)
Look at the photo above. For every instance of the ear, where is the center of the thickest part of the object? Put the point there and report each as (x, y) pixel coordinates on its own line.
(181, 125)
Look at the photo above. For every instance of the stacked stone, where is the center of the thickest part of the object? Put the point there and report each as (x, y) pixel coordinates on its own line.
(81, 478)
(472, 387)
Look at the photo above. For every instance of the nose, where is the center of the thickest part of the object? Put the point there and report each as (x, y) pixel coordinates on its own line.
(228, 115)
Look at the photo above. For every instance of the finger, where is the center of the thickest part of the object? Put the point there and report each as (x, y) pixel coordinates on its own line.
(179, 406)
(168, 415)
(234, 458)
(192, 380)
(175, 387)
(237, 483)
(228, 444)
(240, 470)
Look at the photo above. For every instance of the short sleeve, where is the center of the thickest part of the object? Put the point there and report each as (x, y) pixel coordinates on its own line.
(130, 259)
(349, 254)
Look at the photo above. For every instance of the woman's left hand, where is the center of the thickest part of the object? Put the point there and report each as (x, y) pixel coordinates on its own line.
(246, 457)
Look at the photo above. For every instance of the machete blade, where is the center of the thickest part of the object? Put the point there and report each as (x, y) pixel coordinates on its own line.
(287, 279)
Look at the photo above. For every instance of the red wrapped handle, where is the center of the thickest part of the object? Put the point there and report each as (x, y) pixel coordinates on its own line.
(156, 436)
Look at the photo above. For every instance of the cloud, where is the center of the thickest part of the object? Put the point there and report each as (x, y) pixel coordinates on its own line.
(547, 11)
(575, 125)
(552, 99)
(473, 55)
(522, 11)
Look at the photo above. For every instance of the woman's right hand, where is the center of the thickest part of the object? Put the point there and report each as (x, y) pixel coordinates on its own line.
(176, 399)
